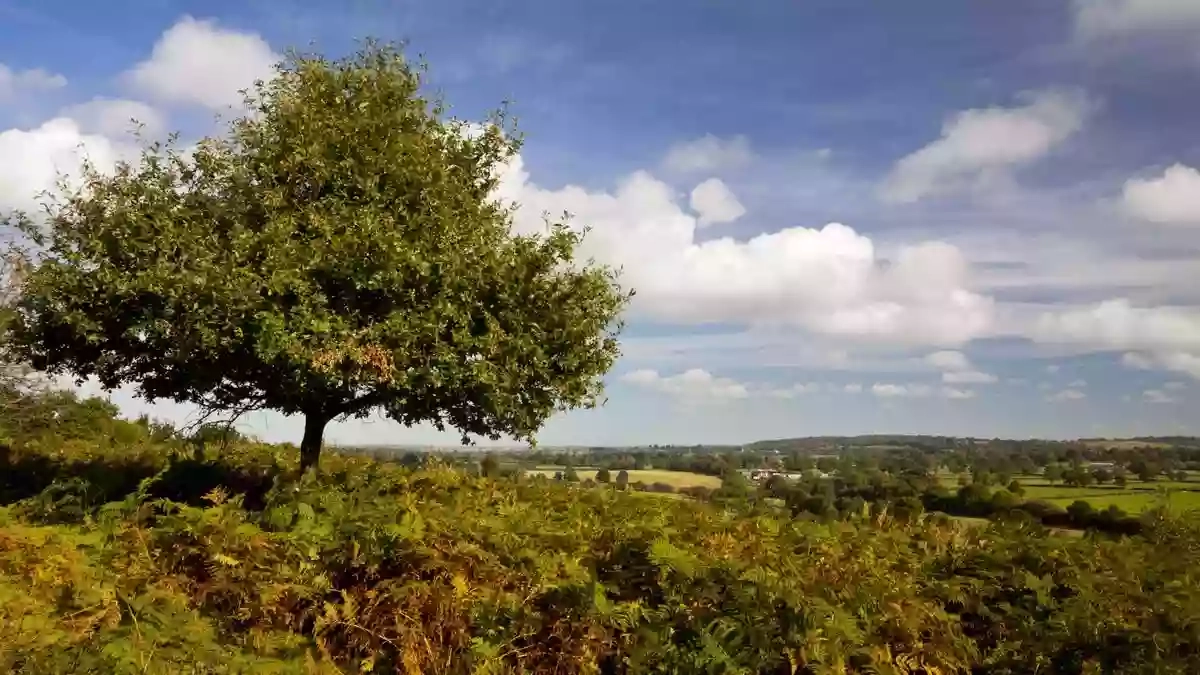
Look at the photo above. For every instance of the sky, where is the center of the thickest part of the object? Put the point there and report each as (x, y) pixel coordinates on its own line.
(840, 216)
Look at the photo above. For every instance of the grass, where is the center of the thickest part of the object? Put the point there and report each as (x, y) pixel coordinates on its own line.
(1125, 444)
(1135, 497)
(676, 479)
(973, 522)
(984, 522)
(1131, 484)
(1063, 492)
(1136, 502)
(657, 495)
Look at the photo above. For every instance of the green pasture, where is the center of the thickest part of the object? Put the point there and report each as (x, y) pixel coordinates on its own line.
(1135, 497)
(676, 479)
(1137, 501)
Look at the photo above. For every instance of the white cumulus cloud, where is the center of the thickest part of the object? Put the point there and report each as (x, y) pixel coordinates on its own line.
(888, 390)
(829, 280)
(33, 159)
(693, 385)
(715, 203)
(1119, 325)
(1157, 396)
(975, 144)
(795, 390)
(1186, 363)
(1102, 18)
(1139, 361)
(968, 377)
(948, 360)
(1067, 395)
(197, 62)
(708, 153)
(1170, 199)
(114, 117)
(957, 369)
(16, 82)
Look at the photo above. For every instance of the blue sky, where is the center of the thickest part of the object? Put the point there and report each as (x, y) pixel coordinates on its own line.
(1013, 188)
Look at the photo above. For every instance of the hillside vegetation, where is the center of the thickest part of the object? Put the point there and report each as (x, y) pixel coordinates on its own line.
(122, 549)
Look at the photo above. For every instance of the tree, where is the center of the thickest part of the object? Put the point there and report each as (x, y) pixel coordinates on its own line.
(22, 399)
(489, 467)
(1003, 500)
(1053, 473)
(1015, 487)
(339, 250)
(1081, 512)
(212, 433)
(734, 485)
(1078, 477)
(1146, 472)
(571, 475)
(777, 486)
(603, 475)
(622, 479)
(974, 493)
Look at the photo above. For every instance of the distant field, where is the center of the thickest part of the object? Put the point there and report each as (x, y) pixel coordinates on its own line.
(1063, 491)
(1134, 498)
(676, 479)
(1136, 502)
(1131, 484)
(984, 522)
(1126, 444)
(659, 495)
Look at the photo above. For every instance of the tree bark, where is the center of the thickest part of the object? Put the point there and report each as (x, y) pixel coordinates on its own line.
(310, 446)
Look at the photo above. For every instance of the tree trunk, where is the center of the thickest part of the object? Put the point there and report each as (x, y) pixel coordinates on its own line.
(310, 446)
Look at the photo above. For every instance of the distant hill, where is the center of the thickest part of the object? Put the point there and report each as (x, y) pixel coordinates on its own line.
(950, 442)
(826, 442)
(802, 443)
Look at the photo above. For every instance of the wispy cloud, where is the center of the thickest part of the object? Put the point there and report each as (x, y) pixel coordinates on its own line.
(1066, 395)
(1157, 396)
(982, 144)
(709, 153)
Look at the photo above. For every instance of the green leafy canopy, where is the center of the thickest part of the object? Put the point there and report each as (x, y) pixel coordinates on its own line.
(337, 251)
